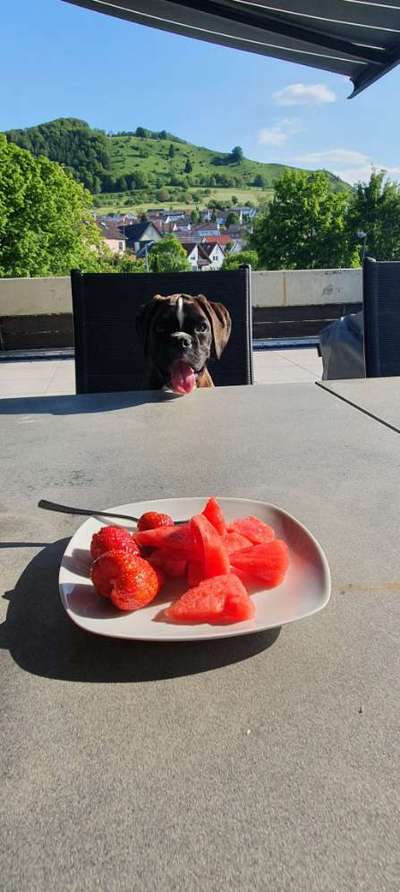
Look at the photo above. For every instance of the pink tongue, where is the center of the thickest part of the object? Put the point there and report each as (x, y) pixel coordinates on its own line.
(182, 377)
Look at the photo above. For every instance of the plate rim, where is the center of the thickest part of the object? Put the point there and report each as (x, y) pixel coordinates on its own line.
(229, 631)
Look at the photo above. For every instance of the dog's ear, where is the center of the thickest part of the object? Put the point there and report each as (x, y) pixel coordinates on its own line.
(220, 321)
(145, 317)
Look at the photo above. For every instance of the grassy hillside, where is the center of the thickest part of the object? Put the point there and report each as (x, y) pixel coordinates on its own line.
(144, 166)
(127, 201)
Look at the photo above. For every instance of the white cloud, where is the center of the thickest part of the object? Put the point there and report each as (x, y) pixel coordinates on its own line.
(351, 165)
(279, 133)
(300, 94)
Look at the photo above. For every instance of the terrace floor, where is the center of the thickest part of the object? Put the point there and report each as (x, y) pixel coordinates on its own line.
(57, 377)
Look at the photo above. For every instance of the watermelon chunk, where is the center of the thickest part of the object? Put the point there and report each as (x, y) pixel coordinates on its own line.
(222, 599)
(174, 568)
(194, 573)
(176, 540)
(209, 548)
(234, 541)
(213, 513)
(268, 562)
(253, 528)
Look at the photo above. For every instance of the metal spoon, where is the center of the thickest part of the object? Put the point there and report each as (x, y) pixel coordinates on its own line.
(89, 512)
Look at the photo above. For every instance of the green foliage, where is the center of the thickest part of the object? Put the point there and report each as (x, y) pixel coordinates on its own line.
(46, 227)
(305, 226)
(171, 151)
(168, 256)
(188, 166)
(71, 142)
(259, 181)
(237, 154)
(231, 219)
(123, 263)
(375, 209)
(233, 261)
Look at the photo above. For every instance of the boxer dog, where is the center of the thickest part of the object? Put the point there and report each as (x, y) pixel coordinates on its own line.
(179, 334)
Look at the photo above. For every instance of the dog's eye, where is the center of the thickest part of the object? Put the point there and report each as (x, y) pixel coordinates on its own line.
(201, 326)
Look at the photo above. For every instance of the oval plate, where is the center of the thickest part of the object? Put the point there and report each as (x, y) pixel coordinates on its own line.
(305, 590)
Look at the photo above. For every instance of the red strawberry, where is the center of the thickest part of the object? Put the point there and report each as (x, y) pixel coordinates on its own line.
(153, 519)
(112, 539)
(126, 579)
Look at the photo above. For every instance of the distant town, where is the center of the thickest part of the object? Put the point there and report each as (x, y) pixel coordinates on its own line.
(208, 236)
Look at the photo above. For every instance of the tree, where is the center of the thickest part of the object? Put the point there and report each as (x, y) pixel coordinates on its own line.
(237, 154)
(46, 223)
(375, 209)
(171, 151)
(188, 166)
(259, 181)
(168, 256)
(231, 219)
(233, 261)
(125, 263)
(194, 216)
(163, 195)
(235, 199)
(305, 226)
(71, 142)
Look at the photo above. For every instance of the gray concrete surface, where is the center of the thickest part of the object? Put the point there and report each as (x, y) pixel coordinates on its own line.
(57, 377)
(378, 397)
(268, 762)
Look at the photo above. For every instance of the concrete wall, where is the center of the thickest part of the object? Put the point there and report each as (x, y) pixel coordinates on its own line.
(283, 288)
(34, 297)
(306, 287)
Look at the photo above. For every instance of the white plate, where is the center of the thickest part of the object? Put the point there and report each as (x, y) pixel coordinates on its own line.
(305, 590)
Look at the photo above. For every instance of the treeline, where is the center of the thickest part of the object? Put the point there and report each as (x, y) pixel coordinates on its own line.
(144, 133)
(72, 143)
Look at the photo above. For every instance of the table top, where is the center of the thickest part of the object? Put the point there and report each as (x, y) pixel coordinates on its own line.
(378, 397)
(262, 762)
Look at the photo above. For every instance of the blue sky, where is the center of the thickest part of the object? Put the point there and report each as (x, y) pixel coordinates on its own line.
(59, 60)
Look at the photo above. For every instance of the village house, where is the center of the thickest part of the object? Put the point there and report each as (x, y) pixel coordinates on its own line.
(113, 237)
(138, 234)
(214, 252)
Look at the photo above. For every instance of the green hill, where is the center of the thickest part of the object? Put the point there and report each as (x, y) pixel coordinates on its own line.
(140, 165)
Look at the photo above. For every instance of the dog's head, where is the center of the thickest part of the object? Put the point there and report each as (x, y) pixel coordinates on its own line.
(179, 334)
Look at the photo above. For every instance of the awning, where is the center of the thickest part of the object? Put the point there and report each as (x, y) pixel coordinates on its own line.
(350, 37)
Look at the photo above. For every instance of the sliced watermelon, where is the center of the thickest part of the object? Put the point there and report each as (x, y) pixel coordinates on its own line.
(253, 528)
(208, 547)
(222, 599)
(213, 513)
(176, 540)
(234, 541)
(194, 573)
(174, 568)
(268, 562)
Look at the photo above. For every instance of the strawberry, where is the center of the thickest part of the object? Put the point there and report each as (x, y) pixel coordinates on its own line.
(126, 579)
(153, 519)
(112, 539)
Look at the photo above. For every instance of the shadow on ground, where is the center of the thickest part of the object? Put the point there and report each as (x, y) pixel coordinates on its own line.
(42, 639)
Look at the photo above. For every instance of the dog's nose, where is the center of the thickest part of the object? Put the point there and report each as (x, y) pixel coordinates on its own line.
(184, 340)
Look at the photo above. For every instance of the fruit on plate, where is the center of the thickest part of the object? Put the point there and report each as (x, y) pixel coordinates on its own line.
(126, 579)
(253, 529)
(221, 599)
(177, 540)
(208, 547)
(268, 562)
(112, 538)
(216, 559)
(151, 520)
(234, 541)
(213, 512)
